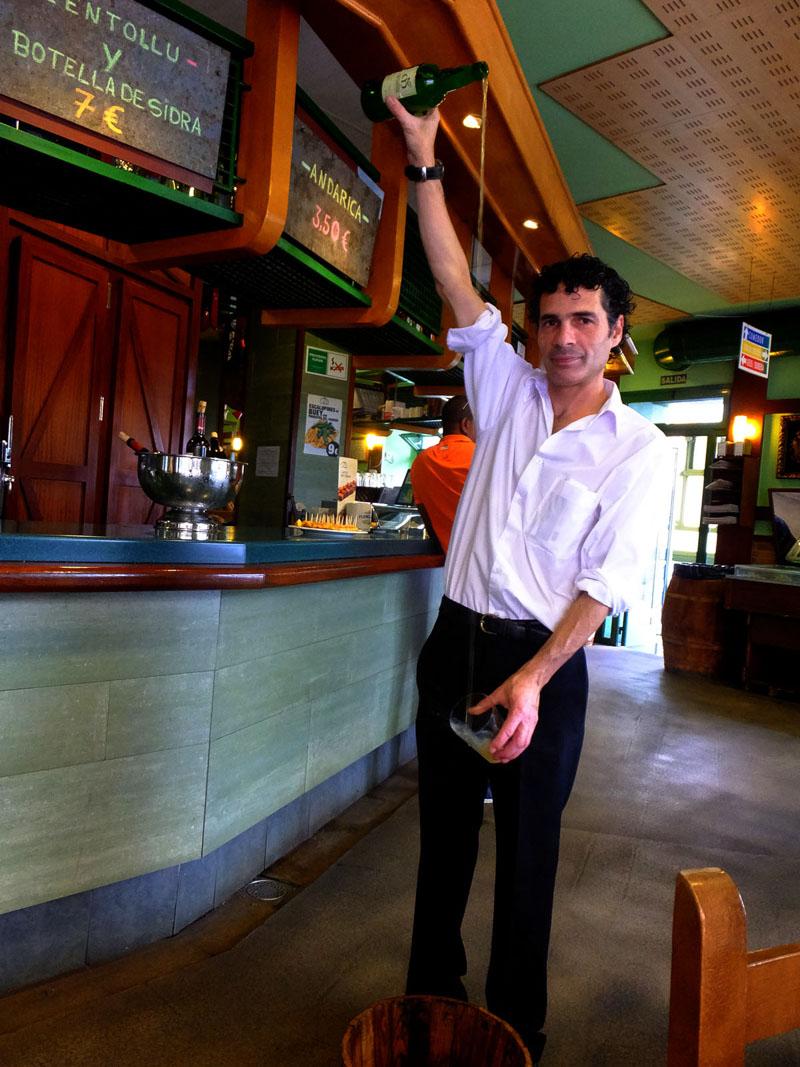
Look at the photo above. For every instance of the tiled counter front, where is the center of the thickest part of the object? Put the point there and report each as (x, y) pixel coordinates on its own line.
(152, 731)
(309, 679)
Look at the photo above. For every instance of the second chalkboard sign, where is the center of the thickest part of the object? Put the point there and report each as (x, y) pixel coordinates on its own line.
(334, 209)
(120, 70)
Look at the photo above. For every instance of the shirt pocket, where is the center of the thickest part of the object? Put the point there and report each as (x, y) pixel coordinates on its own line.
(561, 519)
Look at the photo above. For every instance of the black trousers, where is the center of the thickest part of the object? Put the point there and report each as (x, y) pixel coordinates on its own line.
(459, 657)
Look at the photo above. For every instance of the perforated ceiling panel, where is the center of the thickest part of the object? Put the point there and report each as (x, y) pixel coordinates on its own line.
(714, 112)
(647, 311)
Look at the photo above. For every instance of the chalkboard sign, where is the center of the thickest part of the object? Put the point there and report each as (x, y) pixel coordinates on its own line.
(334, 209)
(121, 70)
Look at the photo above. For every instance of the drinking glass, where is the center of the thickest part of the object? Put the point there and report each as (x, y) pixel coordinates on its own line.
(478, 731)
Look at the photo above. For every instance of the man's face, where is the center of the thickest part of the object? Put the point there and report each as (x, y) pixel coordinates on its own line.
(574, 338)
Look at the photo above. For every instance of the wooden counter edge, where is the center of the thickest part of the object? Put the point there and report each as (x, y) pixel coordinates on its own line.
(94, 577)
(762, 598)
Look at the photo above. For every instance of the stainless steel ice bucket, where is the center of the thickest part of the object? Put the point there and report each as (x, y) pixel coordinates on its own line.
(188, 487)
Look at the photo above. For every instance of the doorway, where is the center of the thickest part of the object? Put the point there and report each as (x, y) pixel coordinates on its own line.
(694, 428)
(692, 540)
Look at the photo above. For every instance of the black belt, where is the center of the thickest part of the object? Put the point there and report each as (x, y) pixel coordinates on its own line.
(493, 624)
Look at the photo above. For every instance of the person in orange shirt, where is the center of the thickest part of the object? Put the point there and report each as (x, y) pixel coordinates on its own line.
(439, 473)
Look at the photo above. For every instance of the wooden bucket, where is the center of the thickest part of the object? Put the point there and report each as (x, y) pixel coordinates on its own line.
(693, 626)
(424, 1031)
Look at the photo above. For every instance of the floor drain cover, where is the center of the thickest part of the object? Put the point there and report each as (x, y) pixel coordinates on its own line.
(267, 889)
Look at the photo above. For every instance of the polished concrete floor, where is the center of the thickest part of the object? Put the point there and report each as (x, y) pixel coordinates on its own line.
(677, 772)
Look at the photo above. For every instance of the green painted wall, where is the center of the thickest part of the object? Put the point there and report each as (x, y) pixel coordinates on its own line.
(648, 373)
(267, 422)
(784, 379)
(767, 477)
(143, 730)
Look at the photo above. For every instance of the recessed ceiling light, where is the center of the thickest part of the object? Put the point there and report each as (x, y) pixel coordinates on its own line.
(472, 122)
(531, 224)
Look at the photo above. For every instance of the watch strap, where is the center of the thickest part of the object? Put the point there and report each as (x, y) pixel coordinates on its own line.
(425, 174)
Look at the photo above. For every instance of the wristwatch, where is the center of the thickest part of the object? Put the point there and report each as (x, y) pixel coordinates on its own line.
(425, 174)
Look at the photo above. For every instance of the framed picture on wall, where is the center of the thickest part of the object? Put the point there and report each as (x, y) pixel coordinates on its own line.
(788, 465)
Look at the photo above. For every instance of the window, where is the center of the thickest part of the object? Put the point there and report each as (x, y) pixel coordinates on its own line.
(704, 411)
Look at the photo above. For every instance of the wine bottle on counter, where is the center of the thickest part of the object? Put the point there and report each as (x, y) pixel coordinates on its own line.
(197, 445)
(132, 443)
(419, 89)
(292, 513)
(214, 446)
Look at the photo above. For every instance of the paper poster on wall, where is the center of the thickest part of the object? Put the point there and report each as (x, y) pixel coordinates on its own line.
(268, 461)
(323, 425)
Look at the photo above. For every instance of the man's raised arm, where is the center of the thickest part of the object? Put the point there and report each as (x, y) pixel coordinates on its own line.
(446, 258)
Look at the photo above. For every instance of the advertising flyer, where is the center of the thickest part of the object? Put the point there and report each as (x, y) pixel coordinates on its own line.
(348, 468)
(323, 425)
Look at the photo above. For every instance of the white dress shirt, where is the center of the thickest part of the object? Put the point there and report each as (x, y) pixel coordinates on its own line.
(543, 515)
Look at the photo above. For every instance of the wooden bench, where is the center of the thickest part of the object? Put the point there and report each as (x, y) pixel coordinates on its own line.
(722, 997)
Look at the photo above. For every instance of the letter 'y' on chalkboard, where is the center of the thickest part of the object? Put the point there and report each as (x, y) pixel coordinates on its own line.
(111, 61)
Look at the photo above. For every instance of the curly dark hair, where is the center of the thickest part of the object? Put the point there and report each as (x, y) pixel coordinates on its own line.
(583, 271)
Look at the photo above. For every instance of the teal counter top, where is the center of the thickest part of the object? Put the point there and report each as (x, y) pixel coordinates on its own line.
(43, 543)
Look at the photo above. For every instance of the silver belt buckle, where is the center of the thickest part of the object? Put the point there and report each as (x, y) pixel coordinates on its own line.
(488, 615)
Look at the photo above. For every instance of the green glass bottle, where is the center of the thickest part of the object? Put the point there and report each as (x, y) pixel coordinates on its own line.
(419, 89)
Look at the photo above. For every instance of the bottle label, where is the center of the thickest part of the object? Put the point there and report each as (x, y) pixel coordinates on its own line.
(403, 83)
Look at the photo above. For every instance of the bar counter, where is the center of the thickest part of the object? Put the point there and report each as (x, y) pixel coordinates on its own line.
(174, 716)
(35, 556)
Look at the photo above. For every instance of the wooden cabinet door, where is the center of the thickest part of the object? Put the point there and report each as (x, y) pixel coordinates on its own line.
(150, 390)
(61, 371)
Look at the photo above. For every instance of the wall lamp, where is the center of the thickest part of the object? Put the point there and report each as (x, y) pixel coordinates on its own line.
(744, 431)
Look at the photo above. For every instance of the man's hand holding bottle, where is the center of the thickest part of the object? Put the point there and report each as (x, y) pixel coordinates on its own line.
(419, 132)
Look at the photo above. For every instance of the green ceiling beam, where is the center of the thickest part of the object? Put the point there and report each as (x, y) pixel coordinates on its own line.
(593, 166)
(552, 37)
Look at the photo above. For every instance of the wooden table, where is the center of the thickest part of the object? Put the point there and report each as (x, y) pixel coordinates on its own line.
(772, 611)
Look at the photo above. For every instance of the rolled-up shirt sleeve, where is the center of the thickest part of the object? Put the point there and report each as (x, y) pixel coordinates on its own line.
(492, 369)
(621, 546)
